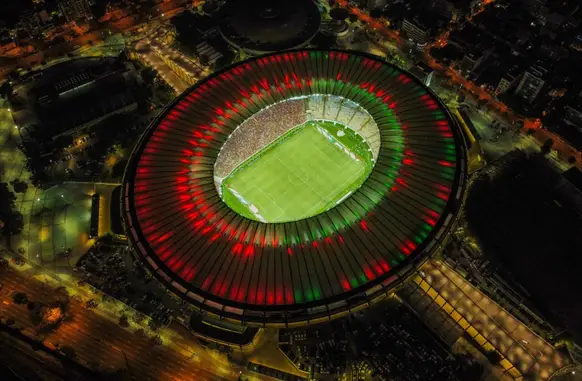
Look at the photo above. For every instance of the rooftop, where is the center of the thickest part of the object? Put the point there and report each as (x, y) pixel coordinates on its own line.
(266, 26)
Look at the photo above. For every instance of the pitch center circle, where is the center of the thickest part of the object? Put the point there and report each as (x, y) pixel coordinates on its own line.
(297, 158)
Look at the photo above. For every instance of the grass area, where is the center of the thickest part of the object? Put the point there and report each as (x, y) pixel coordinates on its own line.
(303, 173)
(350, 139)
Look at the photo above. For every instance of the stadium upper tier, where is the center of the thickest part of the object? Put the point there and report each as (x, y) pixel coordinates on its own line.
(306, 270)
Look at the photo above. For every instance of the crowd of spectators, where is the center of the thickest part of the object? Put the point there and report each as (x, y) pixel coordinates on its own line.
(258, 131)
(348, 113)
(267, 125)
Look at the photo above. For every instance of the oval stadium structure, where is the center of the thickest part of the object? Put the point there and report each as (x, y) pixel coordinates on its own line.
(264, 26)
(295, 187)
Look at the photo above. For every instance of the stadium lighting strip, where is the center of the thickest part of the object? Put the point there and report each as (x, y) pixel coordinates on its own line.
(256, 271)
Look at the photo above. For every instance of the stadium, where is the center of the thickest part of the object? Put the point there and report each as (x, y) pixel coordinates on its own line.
(264, 26)
(295, 187)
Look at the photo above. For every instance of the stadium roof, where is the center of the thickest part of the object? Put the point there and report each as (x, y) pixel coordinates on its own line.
(308, 269)
(267, 26)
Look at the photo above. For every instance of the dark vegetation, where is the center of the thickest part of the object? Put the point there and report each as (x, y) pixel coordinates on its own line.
(529, 228)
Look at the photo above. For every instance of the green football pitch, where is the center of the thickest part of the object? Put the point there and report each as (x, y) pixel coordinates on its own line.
(303, 173)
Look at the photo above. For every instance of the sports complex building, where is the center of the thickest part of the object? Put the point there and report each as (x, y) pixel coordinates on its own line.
(264, 26)
(295, 187)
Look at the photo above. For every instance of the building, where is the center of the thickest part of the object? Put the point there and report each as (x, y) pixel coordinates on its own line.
(35, 23)
(423, 72)
(72, 96)
(308, 270)
(207, 53)
(30, 21)
(457, 9)
(75, 9)
(258, 27)
(570, 186)
(531, 83)
(505, 83)
(376, 4)
(416, 31)
(472, 60)
(573, 115)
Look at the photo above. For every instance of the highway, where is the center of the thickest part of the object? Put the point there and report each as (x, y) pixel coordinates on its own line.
(102, 344)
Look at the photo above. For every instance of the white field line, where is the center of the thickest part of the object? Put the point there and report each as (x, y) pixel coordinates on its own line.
(338, 143)
(245, 202)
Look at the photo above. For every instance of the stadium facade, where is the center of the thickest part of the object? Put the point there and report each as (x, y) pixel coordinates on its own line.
(317, 268)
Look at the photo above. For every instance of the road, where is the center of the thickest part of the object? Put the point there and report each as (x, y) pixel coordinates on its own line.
(98, 341)
(489, 324)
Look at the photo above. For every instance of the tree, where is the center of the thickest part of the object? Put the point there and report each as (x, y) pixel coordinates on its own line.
(98, 8)
(118, 168)
(493, 356)
(339, 14)
(547, 147)
(19, 298)
(10, 218)
(376, 13)
(482, 102)
(124, 321)
(155, 341)
(154, 325)
(6, 89)
(68, 351)
(19, 186)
